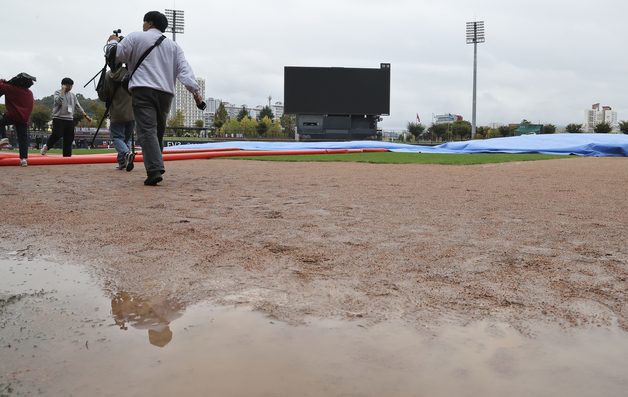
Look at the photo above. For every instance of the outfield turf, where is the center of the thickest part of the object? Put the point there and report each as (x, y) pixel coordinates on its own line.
(375, 157)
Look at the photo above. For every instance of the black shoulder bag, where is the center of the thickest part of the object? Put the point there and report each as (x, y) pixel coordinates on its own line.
(127, 77)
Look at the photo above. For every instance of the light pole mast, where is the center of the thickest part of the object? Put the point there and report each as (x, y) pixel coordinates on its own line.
(175, 22)
(175, 25)
(475, 35)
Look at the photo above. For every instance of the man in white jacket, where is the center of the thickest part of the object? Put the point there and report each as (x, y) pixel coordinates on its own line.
(152, 86)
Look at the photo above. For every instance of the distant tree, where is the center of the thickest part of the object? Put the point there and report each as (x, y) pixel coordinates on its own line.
(243, 113)
(3, 109)
(494, 133)
(461, 128)
(480, 132)
(221, 116)
(274, 129)
(437, 131)
(263, 125)
(524, 121)
(549, 129)
(88, 104)
(574, 128)
(603, 128)
(249, 127)
(98, 111)
(265, 112)
(623, 127)
(199, 124)
(47, 101)
(231, 127)
(40, 117)
(415, 129)
(177, 120)
(405, 137)
(288, 124)
(77, 118)
(505, 130)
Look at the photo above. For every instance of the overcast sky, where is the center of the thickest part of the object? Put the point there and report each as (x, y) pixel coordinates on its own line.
(544, 61)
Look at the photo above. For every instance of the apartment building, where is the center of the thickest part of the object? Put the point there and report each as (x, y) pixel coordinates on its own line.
(595, 115)
(184, 101)
(233, 110)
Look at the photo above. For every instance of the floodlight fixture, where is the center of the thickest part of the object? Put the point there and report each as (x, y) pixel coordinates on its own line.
(475, 35)
(475, 32)
(175, 22)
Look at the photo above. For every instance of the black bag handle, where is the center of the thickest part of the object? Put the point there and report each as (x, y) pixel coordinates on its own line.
(145, 54)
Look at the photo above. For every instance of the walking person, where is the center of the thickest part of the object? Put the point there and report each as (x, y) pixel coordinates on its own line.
(19, 103)
(152, 84)
(65, 104)
(121, 115)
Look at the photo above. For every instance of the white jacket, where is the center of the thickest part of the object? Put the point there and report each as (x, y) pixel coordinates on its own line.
(162, 66)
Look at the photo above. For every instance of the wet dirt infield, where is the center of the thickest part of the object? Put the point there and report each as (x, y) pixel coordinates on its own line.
(524, 243)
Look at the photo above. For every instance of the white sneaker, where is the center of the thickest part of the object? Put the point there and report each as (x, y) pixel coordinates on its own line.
(44, 150)
(23, 163)
(4, 142)
(128, 161)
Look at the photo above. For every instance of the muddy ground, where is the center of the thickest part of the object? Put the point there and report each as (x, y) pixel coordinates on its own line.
(527, 243)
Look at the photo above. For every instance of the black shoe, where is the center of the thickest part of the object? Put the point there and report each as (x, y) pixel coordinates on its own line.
(153, 178)
(128, 161)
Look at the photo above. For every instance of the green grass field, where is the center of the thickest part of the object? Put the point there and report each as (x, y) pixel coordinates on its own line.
(376, 157)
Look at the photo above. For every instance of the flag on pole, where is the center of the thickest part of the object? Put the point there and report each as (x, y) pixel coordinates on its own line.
(451, 117)
(417, 118)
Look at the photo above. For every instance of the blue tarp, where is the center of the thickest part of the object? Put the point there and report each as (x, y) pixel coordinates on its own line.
(578, 144)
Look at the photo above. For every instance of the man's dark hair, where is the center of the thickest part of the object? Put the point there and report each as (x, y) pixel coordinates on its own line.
(67, 80)
(158, 19)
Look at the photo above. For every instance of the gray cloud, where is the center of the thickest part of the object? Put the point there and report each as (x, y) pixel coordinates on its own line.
(542, 61)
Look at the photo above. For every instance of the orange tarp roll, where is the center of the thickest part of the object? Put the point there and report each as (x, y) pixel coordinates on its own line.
(169, 155)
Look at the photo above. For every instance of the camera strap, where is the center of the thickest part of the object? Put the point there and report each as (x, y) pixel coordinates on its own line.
(145, 54)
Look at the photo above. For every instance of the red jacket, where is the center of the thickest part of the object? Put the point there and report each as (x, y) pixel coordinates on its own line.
(19, 102)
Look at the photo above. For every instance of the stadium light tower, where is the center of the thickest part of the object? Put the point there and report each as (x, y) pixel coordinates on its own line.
(475, 35)
(175, 22)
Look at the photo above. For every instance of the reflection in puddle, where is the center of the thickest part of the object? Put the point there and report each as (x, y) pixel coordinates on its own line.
(153, 314)
(67, 341)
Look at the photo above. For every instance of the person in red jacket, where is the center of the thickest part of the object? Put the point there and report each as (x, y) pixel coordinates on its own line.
(19, 102)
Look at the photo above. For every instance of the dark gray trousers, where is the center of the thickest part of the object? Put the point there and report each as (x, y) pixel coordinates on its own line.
(151, 108)
(62, 128)
(21, 131)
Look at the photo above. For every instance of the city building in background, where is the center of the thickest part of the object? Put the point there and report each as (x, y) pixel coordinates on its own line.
(234, 110)
(184, 101)
(595, 116)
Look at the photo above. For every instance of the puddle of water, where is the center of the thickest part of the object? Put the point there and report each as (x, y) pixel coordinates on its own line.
(72, 340)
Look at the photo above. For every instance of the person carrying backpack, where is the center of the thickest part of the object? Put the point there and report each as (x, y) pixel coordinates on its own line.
(19, 102)
(120, 114)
